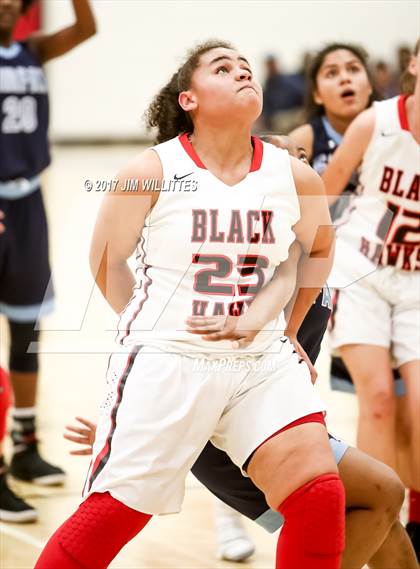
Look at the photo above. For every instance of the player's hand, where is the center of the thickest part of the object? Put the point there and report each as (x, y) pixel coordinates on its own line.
(86, 436)
(303, 356)
(2, 227)
(215, 328)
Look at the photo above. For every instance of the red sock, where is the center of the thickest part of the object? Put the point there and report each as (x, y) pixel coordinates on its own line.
(5, 399)
(312, 536)
(93, 535)
(414, 506)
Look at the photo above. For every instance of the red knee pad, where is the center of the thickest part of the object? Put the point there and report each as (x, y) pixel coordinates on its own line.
(93, 535)
(5, 401)
(313, 533)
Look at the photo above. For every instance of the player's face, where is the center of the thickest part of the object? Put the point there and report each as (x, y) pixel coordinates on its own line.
(223, 88)
(342, 84)
(10, 11)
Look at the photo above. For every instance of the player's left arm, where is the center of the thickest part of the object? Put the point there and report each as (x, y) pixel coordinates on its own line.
(315, 233)
(349, 154)
(49, 46)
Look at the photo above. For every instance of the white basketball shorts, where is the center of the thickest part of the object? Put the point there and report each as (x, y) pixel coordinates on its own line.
(381, 309)
(161, 409)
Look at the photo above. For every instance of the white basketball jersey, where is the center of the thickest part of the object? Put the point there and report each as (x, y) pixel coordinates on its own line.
(207, 247)
(384, 223)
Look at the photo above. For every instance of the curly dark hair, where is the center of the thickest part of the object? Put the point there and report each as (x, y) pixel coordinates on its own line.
(26, 4)
(164, 112)
(313, 109)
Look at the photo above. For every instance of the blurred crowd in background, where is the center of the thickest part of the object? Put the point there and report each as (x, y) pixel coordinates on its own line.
(285, 93)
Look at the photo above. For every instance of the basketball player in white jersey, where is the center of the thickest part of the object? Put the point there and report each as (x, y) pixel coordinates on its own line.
(228, 209)
(374, 493)
(377, 313)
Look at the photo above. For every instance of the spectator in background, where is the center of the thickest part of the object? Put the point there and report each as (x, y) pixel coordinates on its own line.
(300, 76)
(402, 59)
(384, 80)
(283, 98)
(403, 54)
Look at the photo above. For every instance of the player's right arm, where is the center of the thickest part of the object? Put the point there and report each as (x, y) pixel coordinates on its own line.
(349, 154)
(118, 227)
(50, 46)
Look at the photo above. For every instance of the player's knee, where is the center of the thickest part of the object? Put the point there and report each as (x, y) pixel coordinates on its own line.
(396, 494)
(380, 405)
(22, 335)
(326, 506)
(390, 493)
(93, 535)
(319, 506)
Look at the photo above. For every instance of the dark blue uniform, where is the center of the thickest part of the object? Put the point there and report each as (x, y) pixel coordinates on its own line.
(326, 140)
(25, 290)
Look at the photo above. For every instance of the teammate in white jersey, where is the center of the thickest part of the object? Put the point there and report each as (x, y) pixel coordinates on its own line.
(376, 320)
(242, 203)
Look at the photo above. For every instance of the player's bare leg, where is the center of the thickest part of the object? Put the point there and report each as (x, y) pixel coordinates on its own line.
(24, 388)
(396, 551)
(403, 434)
(370, 368)
(410, 372)
(374, 496)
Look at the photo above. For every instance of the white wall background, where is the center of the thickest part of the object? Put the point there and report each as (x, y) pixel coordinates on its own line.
(101, 89)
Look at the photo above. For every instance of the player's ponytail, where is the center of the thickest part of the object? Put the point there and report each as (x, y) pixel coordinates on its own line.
(165, 113)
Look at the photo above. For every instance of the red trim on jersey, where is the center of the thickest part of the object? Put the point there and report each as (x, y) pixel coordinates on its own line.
(402, 112)
(189, 149)
(256, 156)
